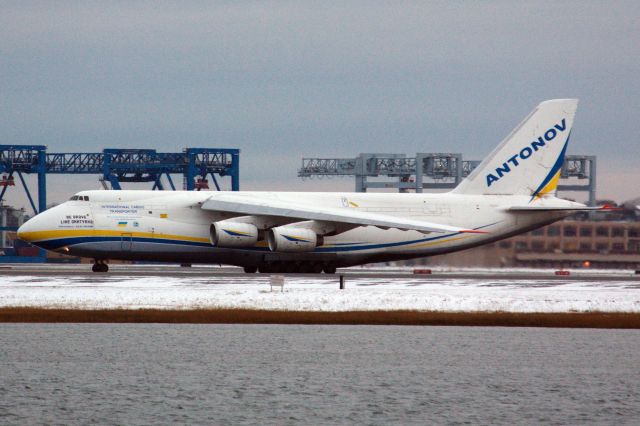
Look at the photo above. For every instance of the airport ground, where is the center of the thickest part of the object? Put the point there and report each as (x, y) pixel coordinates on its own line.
(174, 294)
(420, 272)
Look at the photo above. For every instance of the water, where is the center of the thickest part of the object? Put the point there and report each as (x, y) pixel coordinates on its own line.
(236, 374)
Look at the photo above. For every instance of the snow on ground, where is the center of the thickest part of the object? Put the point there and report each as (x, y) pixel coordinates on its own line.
(531, 294)
(355, 269)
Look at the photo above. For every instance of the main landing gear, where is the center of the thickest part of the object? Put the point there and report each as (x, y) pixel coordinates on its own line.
(292, 268)
(100, 266)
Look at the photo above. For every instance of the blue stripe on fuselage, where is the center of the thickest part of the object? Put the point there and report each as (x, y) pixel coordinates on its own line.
(71, 241)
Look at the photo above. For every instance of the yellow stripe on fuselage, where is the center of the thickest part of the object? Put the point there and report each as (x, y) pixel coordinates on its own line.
(433, 243)
(76, 233)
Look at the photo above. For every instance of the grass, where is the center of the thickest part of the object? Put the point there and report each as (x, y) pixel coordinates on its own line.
(254, 316)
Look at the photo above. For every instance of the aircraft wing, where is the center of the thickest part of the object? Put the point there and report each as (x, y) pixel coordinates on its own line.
(243, 205)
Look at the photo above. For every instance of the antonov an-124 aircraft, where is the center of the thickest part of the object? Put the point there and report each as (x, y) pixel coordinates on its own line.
(512, 191)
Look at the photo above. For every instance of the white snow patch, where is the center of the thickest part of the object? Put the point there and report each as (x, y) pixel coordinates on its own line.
(322, 294)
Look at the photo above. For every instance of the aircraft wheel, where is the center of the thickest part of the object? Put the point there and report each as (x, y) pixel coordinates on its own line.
(304, 268)
(329, 268)
(99, 266)
(264, 268)
(277, 267)
(310, 268)
(291, 268)
(250, 269)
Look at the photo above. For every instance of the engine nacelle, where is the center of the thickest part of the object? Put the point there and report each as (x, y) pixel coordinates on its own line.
(291, 239)
(233, 234)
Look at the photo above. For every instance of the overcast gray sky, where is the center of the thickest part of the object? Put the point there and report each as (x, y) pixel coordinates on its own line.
(283, 80)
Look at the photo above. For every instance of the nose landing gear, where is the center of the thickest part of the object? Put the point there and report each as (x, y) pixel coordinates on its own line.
(100, 266)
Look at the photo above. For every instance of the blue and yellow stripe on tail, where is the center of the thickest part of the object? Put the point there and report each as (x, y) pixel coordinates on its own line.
(550, 183)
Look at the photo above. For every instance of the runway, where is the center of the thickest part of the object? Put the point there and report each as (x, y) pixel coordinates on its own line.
(386, 273)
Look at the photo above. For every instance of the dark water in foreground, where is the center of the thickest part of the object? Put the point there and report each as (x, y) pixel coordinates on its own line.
(231, 374)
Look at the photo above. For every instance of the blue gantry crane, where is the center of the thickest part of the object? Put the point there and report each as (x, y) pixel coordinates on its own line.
(116, 166)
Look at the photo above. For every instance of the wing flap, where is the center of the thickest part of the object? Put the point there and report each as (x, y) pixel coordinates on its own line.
(534, 209)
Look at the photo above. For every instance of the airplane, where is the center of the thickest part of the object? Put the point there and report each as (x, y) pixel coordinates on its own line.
(511, 192)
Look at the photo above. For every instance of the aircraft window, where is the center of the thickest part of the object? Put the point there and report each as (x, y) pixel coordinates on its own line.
(75, 197)
(86, 198)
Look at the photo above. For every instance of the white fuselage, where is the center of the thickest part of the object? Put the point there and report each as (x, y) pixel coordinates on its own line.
(172, 227)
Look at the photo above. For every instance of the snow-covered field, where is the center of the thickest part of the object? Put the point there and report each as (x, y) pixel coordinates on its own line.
(434, 293)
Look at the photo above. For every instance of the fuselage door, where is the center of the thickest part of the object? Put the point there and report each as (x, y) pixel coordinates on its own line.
(126, 241)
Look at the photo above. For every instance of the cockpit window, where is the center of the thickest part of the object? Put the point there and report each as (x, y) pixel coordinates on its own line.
(79, 198)
(86, 198)
(75, 197)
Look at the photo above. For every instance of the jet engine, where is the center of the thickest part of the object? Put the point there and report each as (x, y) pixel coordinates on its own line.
(291, 239)
(233, 234)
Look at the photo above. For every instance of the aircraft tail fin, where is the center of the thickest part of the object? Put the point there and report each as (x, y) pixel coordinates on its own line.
(528, 161)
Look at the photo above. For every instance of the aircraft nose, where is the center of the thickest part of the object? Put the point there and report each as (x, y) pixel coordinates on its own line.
(31, 229)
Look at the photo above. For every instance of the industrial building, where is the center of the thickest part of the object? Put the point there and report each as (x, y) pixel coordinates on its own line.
(11, 218)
